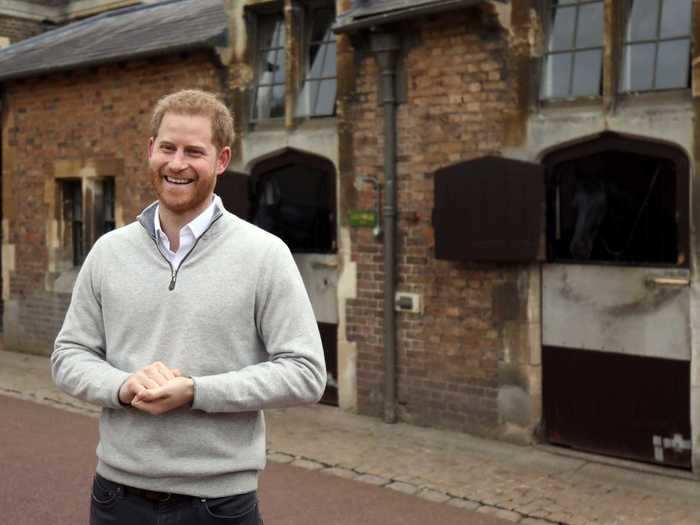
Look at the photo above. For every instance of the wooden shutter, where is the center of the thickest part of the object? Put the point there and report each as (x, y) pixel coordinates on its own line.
(489, 209)
(232, 187)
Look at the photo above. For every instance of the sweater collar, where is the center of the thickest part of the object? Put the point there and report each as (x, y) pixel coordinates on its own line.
(147, 216)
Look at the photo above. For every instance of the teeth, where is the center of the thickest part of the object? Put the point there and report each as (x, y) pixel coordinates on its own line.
(177, 181)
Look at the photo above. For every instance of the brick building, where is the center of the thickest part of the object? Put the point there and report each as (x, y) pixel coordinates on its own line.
(437, 168)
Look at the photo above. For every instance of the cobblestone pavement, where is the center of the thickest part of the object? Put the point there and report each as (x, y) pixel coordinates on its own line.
(526, 485)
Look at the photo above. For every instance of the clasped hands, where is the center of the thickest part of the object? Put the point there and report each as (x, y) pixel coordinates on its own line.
(157, 389)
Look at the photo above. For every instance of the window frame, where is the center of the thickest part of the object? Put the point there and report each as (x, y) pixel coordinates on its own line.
(547, 8)
(277, 12)
(305, 65)
(656, 41)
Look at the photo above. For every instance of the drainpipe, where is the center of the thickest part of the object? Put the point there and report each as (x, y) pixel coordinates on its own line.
(386, 47)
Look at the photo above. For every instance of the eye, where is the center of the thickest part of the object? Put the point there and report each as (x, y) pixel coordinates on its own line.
(167, 147)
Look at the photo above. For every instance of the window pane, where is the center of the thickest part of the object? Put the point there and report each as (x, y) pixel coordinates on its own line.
(673, 64)
(277, 102)
(590, 26)
(587, 71)
(279, 67)
(557, 72)
(266, 67)
(261, 104)
(302, 105)
(323, 18)
(329, 64)
(279, 33)
(316, 60)
(562, 29)
(267, 32)
(326, 98)
(643, 19)
(675, 18)
(638, 69)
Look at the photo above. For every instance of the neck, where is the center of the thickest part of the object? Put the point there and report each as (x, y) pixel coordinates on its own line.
(171, 223)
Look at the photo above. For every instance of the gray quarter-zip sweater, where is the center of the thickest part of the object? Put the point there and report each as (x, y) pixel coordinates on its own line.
(235, 317)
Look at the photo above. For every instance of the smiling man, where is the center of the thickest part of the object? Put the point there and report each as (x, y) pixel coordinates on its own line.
(183, 326)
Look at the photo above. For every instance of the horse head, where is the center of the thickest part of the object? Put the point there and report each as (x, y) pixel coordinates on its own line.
(591, 204)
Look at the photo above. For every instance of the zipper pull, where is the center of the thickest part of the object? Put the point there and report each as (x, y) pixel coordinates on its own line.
(172, 283)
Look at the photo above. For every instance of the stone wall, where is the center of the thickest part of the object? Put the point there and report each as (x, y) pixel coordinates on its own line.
(86, 123)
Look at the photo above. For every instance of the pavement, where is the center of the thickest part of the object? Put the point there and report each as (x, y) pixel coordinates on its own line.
(530, 485)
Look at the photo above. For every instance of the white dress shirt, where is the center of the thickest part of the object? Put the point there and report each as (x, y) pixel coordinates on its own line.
(189, 233)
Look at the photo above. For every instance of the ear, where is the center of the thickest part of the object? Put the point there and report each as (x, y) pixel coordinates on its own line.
(151, 142)
(222, 160)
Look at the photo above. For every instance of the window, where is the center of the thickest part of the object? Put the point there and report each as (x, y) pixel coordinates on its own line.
(269, 90)
(73, 218)
(311, 79)
(656, 52)
(574, 54)
(317, 96)
(85, 220)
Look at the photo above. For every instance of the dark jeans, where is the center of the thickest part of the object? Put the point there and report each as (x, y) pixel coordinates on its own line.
(113, 503)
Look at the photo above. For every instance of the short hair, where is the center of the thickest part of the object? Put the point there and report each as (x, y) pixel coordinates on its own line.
(197, 102)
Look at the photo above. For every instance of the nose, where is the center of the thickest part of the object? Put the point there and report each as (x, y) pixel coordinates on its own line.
(177, 162)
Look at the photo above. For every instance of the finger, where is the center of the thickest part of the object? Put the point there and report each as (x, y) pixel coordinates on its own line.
(151, 395)
(145, 381)
(155, 374)
(164, 371)
(176, 372)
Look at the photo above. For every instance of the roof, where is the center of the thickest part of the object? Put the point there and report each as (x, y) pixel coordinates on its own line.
(130, 33)
(369, 13)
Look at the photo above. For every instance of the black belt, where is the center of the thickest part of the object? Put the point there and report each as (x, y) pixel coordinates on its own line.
(150, 495)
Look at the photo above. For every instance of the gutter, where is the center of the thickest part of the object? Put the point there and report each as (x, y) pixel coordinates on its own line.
(398, 15)
(386, 48)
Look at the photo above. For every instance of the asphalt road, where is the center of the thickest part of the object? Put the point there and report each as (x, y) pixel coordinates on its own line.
(47, 463)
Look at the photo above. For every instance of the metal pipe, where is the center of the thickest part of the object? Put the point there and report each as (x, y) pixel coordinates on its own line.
(386, 47)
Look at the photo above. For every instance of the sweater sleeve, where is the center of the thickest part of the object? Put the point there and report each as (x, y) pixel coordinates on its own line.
(78, 362)
(295, 372)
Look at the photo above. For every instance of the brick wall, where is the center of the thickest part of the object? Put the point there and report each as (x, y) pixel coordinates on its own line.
(460, 96)
(17, 29)
(99, 113)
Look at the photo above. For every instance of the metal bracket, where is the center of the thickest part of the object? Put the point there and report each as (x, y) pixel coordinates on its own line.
(676, 443)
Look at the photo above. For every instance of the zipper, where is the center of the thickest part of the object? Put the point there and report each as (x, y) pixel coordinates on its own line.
(173, 272)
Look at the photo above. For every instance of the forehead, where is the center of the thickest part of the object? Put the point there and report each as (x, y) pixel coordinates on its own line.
(188, 128)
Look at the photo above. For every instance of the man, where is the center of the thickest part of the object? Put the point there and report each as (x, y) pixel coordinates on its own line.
(183, 326)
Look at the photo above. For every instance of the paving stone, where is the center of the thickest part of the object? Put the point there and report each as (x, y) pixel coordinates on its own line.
(278, 457)
(464, 504)
(307, 464)
(372, 480)
(400, 486)
(433, 495)
(507, 515)
(340, 472)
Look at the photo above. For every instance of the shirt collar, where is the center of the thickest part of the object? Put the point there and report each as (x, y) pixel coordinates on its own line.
(198, 225)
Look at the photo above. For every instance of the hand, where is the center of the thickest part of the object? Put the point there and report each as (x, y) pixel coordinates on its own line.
(175, 393)
(151, 376)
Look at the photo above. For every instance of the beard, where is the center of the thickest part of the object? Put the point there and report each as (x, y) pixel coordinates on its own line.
(186, 199)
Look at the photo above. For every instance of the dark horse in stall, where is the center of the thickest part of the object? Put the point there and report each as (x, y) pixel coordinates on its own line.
(618, 224)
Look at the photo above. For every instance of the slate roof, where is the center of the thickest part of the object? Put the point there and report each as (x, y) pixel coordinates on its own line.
(368, 13)
(129, 33)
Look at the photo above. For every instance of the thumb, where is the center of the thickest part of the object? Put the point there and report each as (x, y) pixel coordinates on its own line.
(176, 372)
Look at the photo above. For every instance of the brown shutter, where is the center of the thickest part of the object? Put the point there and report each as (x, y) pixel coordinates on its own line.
(232, 187)
(489, 209)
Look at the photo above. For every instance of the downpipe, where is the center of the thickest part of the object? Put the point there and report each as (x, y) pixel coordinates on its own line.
(385, 47)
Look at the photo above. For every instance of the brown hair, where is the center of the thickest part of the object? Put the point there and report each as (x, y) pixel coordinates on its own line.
(197, 102)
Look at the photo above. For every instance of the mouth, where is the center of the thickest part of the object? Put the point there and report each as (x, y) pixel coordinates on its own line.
(177, 181)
